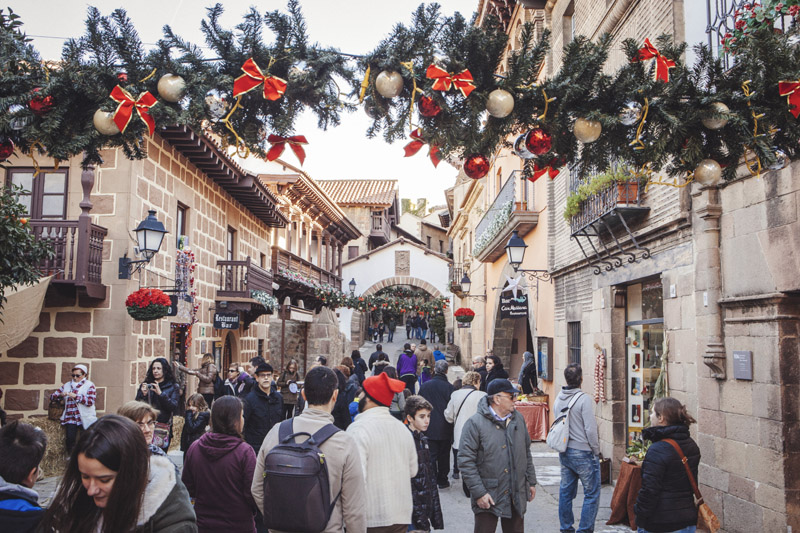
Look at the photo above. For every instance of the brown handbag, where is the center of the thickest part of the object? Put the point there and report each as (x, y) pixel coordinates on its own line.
(55, 409)
(706, 519)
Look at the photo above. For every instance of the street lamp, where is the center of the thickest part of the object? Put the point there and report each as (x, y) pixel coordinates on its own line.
(466, 284)
(515, 249)
(149, 235)
(352, 286)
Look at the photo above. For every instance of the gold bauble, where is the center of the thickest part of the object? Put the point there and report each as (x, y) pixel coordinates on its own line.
(104, 122)
(170, 87)
(708, 172)
(716, 123)
(389, 83)
(587, 131)
(500, 103)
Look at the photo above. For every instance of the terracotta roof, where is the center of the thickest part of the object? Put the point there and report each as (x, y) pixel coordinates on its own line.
(360, 192)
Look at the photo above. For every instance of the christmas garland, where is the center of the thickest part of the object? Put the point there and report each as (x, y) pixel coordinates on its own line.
(436, 76)
(269, 302)
(498, 224)
(335, 299)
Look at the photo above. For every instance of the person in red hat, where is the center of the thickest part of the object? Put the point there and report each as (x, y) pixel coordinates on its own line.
(388, 456)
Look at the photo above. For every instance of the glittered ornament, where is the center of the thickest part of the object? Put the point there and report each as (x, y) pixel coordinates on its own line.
(708, 172)
(104, 122)
(476, 166)
(18, 119)
(500, 103)
(298, 71)
(217, 106)
(122, 76)
(781, 160)
(630, 113)
(587, 131)
(428, 107)
(39, 104)
(538, 141)
(371, 108)
(6, 149)
(171, 87)
(716, 123)
(519, 148)
(389, 83)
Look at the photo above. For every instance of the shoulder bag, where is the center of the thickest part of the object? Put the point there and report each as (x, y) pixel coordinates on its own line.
(706, 519)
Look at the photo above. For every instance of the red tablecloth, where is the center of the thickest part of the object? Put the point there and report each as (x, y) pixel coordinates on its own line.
(537, 418)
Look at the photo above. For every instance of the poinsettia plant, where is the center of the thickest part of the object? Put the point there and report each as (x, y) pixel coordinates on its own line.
(464, 314)
(147, 304)
(755, 17)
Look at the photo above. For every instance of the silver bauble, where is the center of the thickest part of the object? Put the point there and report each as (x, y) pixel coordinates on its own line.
(716, 123)
(389, 83)
(19, 120)
(217, 106)
(104, 122)
(708, 172)
(171, 87)
(520, 150)
(298, 71)
(781, 160)
(630, 113)
(587, 131)
(500, 103)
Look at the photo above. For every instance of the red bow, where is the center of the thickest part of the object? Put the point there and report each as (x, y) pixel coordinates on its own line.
(124, 111)
(648, 51)
(444, 80)
(279, 144)
(789, 89)
(414, 146)
(274, 87)
(539, 172)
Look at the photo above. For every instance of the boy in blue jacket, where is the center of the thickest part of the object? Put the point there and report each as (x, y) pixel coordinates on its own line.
(22, 448)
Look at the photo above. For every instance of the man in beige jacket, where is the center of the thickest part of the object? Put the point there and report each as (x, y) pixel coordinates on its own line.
(345, 474)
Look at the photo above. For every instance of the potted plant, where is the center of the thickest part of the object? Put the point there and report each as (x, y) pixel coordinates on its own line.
(147, 304)
(464, 314)
(621, 176)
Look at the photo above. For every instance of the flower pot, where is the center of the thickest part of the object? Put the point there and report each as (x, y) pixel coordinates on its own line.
(150, 312)
(627, 192)
(465, 319)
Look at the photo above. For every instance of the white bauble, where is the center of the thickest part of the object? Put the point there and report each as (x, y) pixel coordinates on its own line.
(587, 131)
(500, 103)
(708, 172)
(104, 122)
(171, 87)
(389, 83)
(716, 123)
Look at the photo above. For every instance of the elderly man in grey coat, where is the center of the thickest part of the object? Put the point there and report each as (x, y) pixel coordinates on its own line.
(495, 461)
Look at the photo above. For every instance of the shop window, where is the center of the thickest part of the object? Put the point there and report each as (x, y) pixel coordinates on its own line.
(44, 195)
(574, 341)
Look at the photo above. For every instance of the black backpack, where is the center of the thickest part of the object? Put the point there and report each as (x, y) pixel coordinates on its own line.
(219, 387)
(298, 472)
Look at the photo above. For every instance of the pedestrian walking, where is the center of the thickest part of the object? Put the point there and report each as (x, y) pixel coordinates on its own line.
(666, 500)
(398, 405)
(236, 382)
(250, 376)
(462, 405)
(288, 388)
(479, 366)
(341, 409)
(345, 474)
(423, 352)
(391, 326)
(206, 374)
(218, 472)
(359, 365)
(381, 330)
(407, 367)
(440, 432)
(427, 512)
(423, 328)
(112, 484)
(196, 420)
(425, 372)
(263, 408)
(494, 370)
(580, 460)
(528, 379)
(160, 390)
(145, 416)
(388, 457)
(22, 448)
(79, 396)
(409, 326)
(180, 381)
(373, 358)
(495, 461)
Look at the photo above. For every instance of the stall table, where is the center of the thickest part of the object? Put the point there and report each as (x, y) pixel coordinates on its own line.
(537, 418)
(629, 483)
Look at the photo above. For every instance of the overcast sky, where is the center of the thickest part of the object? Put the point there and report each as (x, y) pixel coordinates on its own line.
(352, 26)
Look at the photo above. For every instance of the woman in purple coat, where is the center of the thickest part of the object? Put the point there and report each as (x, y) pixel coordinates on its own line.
(218, 472)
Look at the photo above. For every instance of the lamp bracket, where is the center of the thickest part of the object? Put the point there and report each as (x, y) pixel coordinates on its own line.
(128, 267)
(532, 275)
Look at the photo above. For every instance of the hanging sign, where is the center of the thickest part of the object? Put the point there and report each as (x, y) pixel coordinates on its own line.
(513, 307)
(226, 320)
(172, 310)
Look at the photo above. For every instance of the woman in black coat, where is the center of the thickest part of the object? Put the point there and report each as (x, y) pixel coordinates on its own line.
(160, 390)
(666, 501)
(528, 379)
(495, 370)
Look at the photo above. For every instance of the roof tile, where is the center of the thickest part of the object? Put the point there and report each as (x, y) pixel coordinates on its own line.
(360, 192)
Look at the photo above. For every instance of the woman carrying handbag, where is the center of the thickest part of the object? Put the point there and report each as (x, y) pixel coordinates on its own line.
(666, 501)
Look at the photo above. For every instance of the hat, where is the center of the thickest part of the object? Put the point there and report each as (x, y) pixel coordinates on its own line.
(500, 385)
(263, 367)
(83, 368)
(382, 388)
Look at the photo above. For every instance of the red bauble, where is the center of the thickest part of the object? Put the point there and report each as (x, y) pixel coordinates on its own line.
(40, 105)
(122, 76)
(428, 107)
(6, 149)
(538, 141)
(476, 166)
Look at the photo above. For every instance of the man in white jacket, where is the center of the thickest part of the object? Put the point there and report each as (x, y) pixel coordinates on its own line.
(388, 456)
(462, 405)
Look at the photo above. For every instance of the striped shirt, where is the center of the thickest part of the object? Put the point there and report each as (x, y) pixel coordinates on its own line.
(71, 413)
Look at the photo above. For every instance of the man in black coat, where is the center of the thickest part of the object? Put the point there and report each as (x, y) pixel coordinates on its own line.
(375, 355)
(479, 366)
(263, 408)
(440, 432)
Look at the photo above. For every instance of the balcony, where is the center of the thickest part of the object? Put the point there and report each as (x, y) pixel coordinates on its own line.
(78, 254)
(624, 197)
(380, 228)
(456, 273)
(299, 279)
(511, 210)
(238, 278)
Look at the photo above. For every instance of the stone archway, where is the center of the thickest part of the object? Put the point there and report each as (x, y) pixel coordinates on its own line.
(403, 280)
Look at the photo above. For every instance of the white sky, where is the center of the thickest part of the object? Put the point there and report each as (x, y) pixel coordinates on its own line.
(352, 26)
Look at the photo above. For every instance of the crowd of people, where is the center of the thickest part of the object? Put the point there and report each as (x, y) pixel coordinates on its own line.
(377, 468)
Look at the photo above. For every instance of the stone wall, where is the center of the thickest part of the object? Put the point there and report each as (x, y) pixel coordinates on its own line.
(307, 340)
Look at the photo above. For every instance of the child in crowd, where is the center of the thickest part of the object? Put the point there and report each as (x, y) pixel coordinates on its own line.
(425, 374)
(196, 421)
(21, 448)
(427, 508)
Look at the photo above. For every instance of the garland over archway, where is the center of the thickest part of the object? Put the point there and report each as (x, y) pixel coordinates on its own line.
(394, 300)
(436, 77)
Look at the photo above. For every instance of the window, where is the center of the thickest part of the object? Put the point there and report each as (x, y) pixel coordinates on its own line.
(231, 244)
(352, 252)
(429, 242)
(263, 260)
(441, 246)
(45, 195)
(568, 24)
(574, 342)
(180, 223)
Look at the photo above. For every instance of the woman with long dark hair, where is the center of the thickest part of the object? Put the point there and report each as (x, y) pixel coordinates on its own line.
(288, 377)
(666, 499)
(160, 390)
(528, 379)
(218, 471)
(113, 485)
(495, 370)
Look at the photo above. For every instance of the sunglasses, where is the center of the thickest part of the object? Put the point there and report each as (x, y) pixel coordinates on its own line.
(77, 375)
(232, 370)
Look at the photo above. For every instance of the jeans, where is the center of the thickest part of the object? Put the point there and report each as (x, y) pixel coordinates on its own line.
(423, 333)
(417, 333)
(408, 332)
(390, 336)
(687, 529)
(71, 435)
(583, 465)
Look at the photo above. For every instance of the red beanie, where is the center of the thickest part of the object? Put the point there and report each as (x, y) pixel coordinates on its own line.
(382, 388)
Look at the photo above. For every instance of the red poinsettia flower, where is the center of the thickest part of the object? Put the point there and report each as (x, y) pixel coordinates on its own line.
(464, 311)
(146, 297)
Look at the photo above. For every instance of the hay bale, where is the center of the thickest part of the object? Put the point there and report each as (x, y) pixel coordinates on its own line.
(177, 429)
(53, 462)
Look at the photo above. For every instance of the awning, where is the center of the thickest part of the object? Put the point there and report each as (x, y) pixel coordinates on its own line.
(20, 313)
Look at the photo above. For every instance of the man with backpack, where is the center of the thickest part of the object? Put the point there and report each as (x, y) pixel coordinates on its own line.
(579, 459)
(339, 505)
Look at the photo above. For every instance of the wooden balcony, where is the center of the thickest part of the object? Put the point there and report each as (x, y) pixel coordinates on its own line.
(238, 278)
(282, 259)
(380, 229)
(78, 254)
